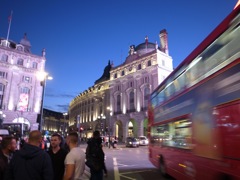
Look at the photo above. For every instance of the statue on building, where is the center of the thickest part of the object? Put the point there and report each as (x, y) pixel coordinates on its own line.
(44, 52)
(131, 50)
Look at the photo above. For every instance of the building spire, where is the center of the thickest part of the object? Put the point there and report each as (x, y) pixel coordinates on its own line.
(146, 41)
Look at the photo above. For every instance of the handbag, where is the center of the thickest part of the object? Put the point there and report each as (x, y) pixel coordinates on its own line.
(93, 164)
(89, 163)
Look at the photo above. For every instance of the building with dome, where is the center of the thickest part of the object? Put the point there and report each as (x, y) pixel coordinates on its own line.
(117, 102)
(20, 85)
(131, 83)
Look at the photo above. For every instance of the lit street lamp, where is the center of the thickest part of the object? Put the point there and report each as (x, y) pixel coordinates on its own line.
(2, 117)
(64, 124)
(43, 76)
(109, 126)
(102, 124)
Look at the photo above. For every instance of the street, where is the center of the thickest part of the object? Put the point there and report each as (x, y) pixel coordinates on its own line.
(129, 164)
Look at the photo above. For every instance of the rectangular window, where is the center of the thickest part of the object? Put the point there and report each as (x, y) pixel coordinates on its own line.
(34, 65)
(20, 62)
(130, 84)
(2, 74)
(146, 80)
(174, 134)
(163, 62)
(149, 63)
(139, 66)
(26, 79)
(4, 58)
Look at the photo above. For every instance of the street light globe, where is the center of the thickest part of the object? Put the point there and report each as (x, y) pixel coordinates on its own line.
(49, 77)
(41, 75)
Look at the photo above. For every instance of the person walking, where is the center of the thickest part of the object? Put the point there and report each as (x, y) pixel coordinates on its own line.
(8, 147)
(95, 157)
(31, 162)
(57, 155)
(75, 160)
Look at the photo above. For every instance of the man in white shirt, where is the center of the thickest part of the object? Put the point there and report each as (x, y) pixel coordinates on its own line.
(75, 160)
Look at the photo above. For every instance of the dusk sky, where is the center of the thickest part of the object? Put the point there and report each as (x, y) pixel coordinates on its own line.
(80, 36)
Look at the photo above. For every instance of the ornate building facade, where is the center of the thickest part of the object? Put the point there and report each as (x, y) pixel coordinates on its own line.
(20, 84)
(131, 83)
(88, 111)
(117, 103)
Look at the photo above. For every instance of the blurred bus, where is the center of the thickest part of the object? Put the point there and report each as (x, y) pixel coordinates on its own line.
(17, 129)
(194, 114)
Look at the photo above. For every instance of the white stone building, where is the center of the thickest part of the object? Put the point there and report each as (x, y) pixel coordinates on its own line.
(146, 66)
(88, 110)
(20, 85)
(117, 103)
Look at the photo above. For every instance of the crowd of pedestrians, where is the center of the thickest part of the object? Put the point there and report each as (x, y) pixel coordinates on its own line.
(62, 160)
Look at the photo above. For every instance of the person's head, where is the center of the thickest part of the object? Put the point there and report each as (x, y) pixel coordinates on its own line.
(96, 134)
(55, 140)
(35, 138)
(9, 144)
(72, 139)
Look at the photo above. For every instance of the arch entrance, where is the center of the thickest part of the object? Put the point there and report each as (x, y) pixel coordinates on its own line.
(132, 128)
(118, 130)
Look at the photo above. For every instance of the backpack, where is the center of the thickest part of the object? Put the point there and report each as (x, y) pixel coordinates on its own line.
(94, 156)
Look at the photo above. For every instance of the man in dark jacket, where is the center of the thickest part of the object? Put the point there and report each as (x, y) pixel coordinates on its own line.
(57, 155)
(8, 146)
(95, 157)
(31, 162)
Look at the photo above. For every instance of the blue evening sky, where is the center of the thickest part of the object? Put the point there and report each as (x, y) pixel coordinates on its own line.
(80, 36)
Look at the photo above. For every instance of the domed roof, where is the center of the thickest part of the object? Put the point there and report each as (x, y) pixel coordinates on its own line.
(140, 50)
(106, 74)
(149, 46)
(145, 48)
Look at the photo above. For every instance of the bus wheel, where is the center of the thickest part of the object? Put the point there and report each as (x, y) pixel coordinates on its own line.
(162, 166)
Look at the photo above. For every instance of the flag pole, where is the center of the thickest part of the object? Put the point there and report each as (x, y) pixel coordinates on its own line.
(9, 24)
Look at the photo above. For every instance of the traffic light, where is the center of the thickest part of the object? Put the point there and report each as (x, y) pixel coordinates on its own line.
(101, 125)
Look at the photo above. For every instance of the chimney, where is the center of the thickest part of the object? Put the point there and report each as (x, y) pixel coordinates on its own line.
(164, 41)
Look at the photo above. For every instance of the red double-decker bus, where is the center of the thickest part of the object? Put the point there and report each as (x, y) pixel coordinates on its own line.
(194, 114)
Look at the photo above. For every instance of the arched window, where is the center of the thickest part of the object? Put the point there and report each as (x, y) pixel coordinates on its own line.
(139, 66)
(146, 96)
(20, 62)
(25, 90)
(1, 95)
(4, 58)
(131, 101)
(118, 103)
(149, 63)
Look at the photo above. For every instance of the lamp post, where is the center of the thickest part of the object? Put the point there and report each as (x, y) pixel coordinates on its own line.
(2, 117)
(64, 123)
(43, 76)
(102, 125)
(109, 126)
